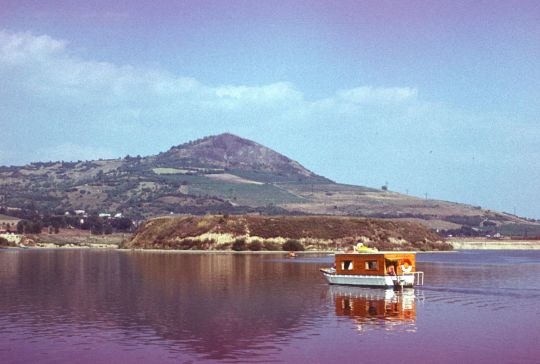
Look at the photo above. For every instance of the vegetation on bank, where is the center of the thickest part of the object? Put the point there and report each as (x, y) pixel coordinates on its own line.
(32, 222)
(257, 233)
(4, 243)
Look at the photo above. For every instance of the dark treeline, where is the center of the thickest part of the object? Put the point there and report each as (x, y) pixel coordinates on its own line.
(33, 223)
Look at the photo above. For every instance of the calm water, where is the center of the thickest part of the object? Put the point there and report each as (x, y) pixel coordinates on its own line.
(123, 307)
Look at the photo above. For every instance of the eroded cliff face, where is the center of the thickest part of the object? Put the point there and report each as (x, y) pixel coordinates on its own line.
(273, 232)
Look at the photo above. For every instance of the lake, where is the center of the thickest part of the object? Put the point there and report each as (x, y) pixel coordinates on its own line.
(92, 306)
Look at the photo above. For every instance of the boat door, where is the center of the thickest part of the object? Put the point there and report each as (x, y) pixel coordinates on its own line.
(390, 267)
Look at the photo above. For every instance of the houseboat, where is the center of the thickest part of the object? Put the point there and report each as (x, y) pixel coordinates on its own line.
(374, 269)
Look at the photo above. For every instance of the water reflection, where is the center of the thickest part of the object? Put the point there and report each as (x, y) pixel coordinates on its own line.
(223, 305)
(107, 307)
(213, 306)
(372, 308)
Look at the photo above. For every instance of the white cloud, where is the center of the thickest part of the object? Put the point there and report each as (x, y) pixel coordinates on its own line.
(48, 67)
(378, 95)
(273, 92)
(20, 47)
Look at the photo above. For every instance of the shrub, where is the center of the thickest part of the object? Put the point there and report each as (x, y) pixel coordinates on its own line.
(255, 246)
(433, 245)
(223, 246)
(293, 245)
(206, 244)
(271, 245)
(239, 245)
(186, 244)
(124, 244)
(384, 245)
(5, 242)
(194, 244)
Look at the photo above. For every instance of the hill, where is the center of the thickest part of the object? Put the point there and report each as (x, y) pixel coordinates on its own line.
(275, 232)
(221, 174)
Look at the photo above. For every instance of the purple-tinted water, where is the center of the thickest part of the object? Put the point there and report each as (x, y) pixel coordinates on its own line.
(122, 307)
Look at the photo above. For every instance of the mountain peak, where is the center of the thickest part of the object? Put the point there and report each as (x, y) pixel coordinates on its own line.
(229, 137)
(226, 141)
(231, 152)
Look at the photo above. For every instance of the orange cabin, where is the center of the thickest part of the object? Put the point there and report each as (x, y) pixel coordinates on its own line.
(377, 264)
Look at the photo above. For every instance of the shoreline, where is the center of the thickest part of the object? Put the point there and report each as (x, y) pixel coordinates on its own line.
(114, 241)
(460, 246)
(248, 252)
(484, 244)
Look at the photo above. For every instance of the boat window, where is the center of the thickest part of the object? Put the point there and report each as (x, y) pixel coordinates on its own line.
(372, 265)
(347, 265)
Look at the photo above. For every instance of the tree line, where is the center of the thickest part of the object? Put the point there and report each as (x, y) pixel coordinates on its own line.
(33, 223)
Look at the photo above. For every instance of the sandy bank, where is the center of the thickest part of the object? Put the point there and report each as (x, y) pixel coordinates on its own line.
(473, 244)
(67, 239)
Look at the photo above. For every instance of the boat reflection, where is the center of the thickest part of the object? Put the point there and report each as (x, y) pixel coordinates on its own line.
(376, 308)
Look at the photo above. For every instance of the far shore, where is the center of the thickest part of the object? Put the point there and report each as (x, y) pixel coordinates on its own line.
(80, 240)
(458, 246)
(493, 244)
(179, 251)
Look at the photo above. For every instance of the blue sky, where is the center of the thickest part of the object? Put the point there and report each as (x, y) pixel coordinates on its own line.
(432, 97)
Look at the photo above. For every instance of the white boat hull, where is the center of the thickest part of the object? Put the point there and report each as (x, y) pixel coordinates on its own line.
(406, 280)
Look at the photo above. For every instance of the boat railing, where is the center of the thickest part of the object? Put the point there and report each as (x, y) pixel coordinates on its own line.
(418, 278)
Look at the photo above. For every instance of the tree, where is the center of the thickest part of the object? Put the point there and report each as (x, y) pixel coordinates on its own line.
(293, 245)
(36, 227)
(21, 227)
(239, 245)
(29, 227)
(255, 245)
(122, 223)
(107, 229)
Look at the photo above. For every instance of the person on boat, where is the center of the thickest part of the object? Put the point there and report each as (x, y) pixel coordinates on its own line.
(391, 270)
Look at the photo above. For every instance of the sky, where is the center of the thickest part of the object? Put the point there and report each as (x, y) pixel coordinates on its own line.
(436, 98)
